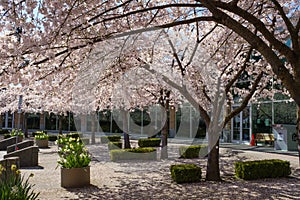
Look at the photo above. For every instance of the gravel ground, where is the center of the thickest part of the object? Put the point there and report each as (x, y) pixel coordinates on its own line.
(151, 180)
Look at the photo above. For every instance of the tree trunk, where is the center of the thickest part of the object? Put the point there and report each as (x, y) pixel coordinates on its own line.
(298, 130)
(213, 170)
(125, 130)
(165, 102)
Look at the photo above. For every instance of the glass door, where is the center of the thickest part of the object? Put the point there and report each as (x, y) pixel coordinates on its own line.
(236, 128)
(246, 125)
(241, 126)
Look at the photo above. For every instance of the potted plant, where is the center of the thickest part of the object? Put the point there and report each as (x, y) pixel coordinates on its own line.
(18, 133)
(74, 160)
(41, 140)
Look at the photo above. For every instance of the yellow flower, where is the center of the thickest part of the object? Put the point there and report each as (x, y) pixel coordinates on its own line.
(13, 167)
(1, 169)
(18, 172)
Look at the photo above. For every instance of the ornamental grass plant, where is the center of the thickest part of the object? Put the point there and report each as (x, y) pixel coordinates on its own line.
(73, 153)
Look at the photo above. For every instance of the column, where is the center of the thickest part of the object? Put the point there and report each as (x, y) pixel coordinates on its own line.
(83, 123)
(42, 121)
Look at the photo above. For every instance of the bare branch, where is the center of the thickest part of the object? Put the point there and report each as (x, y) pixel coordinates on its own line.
(184, 92)
(198, 42)
(182, 69)
(259, 25)
(232, 81)
(245, 100)
(289, 25)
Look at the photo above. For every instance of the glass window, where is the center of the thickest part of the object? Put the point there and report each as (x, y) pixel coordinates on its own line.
(33, 121)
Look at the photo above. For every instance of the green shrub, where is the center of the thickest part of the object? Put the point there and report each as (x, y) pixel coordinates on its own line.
(111, 138)
(7, 135)
(194, 151)
(16, 132)
(13, 133)
(133, 154)
(74, 135)
(151, 142)
(41, 137)
(185, 173)
(38, 133)
(251, 170)
(114, 145)
(4, 131)
(52, 138)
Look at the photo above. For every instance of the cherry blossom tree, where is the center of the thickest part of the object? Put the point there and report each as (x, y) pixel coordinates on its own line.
(40, 36)
(176, 59)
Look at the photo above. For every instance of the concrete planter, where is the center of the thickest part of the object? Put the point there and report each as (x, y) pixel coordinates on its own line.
(20, 138)
(75, 177)
(121, 154)
(41, 143)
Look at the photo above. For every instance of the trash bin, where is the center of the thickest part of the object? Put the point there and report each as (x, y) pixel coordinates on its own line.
(280, 137)
(285, 137)
(292, 144)
(172, 133)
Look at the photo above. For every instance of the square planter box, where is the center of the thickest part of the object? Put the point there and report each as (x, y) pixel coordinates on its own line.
(75, 177)
(41, 143)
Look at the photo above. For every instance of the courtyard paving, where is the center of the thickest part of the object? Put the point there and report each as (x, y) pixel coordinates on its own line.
(151, 180)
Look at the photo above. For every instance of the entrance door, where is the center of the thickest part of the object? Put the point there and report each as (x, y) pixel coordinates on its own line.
(241, 126)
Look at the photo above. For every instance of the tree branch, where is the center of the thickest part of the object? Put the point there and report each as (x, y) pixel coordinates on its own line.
(260, 26)
(232, 81)
(184, 92)
(289, 25)
(182, 69)
(246, 99)
(119, 35)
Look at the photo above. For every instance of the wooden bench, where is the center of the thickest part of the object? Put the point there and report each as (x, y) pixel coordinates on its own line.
(266, 138)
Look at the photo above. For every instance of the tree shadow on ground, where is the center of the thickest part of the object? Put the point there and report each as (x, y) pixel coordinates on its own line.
(87, 192)
(152, 180)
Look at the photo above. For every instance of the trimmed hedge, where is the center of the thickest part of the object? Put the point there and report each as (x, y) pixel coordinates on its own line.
(52, 138)
(74, 135)
(111, 138)
(185, 173)
(150, 142)
(4, 131)
(258, 169)
(7, 135)
(145, 153)
(193, 151)
(114, 145)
